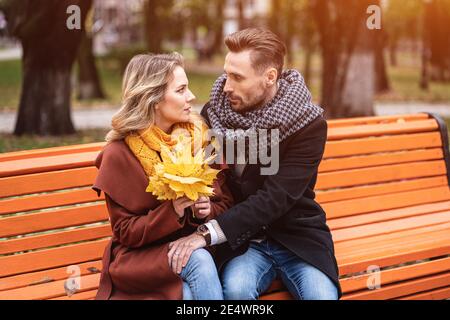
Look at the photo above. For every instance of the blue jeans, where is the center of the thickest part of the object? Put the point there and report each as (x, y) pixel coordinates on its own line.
(247, 276)
(200, 278)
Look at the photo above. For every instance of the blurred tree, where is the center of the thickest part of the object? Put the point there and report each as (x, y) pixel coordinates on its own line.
(218, 21)
(381, 77)
(88, 80)
(436, 28)
(205, 19)
(240, 6)
(401, 21)
(157, 16)
(303, 28)
(284, 21)
(49, 50)
(348, 64)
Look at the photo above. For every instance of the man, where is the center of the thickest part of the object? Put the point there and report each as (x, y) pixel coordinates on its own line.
(276, 227)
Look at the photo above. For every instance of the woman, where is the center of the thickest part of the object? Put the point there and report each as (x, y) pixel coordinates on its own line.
(156, 101)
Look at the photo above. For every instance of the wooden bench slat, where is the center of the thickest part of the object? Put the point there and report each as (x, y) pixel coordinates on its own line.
(387, 277)
(370, 145)
(391, 252)
(345, 208)
(54, 151)
(45, 201)
(360, 131)
(388, 227)
(49, 290)
(396, 275)
(55, 239)
(437, 294)
(52, 258)
(355, 177)
(55, 219)
(332, 195)
(373, 160)
(376, 119)
(87, 295)
(44, 164)
(402, 289)
(387, 215)
(31, 278)
(48, 181)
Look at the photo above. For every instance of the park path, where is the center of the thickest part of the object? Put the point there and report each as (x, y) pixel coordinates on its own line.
(101, 117)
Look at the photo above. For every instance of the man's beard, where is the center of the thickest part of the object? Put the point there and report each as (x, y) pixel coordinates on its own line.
(258, 103)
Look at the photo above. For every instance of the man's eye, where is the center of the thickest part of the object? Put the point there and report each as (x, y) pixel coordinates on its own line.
(180, 90)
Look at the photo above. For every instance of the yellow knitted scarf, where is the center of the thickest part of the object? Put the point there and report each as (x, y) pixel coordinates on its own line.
(146, 144)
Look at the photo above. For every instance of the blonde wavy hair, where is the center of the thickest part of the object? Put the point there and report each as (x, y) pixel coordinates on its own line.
(144, 85)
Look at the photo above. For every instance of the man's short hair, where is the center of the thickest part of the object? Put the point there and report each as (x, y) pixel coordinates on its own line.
(267, 50)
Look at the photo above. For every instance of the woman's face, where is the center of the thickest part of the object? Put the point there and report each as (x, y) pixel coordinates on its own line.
(175, 106)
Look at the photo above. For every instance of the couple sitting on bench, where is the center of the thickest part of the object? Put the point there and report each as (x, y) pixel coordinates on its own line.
(255, 227)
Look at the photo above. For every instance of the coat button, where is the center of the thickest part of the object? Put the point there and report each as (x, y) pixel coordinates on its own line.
(264, 228)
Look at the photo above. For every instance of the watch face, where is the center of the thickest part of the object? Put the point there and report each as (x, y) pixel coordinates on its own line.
(203, 228)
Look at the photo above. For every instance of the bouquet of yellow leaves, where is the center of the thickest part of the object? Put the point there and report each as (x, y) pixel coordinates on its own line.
(182, 174)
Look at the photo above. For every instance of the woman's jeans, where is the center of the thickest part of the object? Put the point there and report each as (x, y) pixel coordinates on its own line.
(200, 278)
(247, 276)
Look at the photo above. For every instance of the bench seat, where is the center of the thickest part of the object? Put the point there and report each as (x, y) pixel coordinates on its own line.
(383, 182)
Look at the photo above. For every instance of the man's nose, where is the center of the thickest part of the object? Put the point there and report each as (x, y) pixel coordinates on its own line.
(227, 88)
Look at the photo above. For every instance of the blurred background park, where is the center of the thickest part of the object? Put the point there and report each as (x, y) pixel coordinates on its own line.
(60, 86)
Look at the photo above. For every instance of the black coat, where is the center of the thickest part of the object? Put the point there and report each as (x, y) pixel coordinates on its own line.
(282, 206)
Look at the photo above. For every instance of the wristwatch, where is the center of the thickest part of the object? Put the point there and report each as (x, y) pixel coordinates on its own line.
(204, 232)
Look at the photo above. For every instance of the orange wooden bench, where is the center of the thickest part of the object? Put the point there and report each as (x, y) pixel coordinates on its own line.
(384, 183)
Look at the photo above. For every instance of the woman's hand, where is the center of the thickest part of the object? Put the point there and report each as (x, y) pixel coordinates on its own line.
(202, 208)
(180, 204)
(180, 251)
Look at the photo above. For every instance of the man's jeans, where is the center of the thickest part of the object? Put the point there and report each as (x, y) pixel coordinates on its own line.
(200, 278)
(247, 276)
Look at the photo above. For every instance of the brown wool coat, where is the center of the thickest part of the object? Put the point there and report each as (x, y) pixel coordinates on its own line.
(135, 263)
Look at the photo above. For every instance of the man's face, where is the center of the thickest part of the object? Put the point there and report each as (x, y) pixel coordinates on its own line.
(245, 87)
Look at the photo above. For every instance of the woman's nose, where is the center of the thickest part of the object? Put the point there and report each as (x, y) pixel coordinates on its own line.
(190, 96)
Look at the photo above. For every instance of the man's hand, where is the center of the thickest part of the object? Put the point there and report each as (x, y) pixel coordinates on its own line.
(202, 208)
(180, 251)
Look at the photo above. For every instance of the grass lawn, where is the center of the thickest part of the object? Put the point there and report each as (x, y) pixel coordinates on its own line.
(111, 80)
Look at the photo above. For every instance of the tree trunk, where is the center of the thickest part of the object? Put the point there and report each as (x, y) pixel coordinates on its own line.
(49, 51)
(241, 17)
(308, 64)
(153, 26)
(44, 107)
(88, 80)
(347, 58)
(382, 81)
(218, 27)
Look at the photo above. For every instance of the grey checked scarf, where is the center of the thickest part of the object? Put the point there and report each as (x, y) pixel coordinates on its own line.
(290, 110)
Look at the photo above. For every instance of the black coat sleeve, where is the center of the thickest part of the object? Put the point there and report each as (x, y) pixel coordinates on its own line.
(281, 191)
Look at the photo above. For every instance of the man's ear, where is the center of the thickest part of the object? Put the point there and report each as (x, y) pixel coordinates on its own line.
(271, 76)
